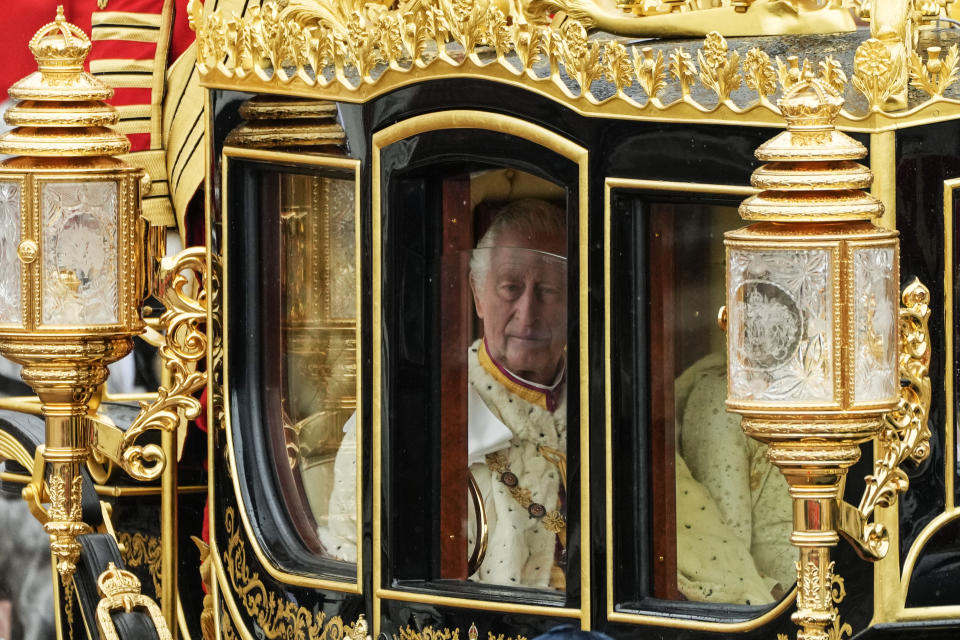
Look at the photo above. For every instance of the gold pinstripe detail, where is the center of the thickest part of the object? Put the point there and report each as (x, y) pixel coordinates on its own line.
(128, 111)
(110, 32)
(126, 18)
(132, 126)
(121, 65)
(127, 81)
(184, 102)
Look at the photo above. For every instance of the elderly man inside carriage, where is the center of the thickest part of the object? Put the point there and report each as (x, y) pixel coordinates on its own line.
(732, 506)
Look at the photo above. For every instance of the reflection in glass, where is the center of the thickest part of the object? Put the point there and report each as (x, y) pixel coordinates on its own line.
(731, 514)
(318, 298)
(9, 262)
(79, 252)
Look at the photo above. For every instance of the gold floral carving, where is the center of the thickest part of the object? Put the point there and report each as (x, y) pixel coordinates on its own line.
(185, 345)
(139, 549)
(759, 73)
(650, 72)
(934, 75)
(877, 73)
(719, 69)
(356, 44)
(443, 633)
(276, 616)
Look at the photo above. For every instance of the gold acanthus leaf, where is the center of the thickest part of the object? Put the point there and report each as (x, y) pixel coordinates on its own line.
(616, 66)
(759, 73)
(832, 73)
(683, 69)
(792, 72)
(935, 75)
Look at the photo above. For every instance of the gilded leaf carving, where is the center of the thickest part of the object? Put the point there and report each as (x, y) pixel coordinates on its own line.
(791, 72)
(617, 68)
(876, 72)
(650, 71)
(683, 69)
(934, 75)
(759, 73)
(719, 70)
(356, 42)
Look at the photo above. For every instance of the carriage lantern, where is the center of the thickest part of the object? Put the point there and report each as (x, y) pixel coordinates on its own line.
(817, 342)
(70, 269)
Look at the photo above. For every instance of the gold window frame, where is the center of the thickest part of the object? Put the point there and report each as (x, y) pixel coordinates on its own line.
(470, 119)
(343, 586)
(612, 184)
(890, 585)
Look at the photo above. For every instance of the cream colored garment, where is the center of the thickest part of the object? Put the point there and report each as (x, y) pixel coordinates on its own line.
(520, 551)
(748, 493)
(339, 536)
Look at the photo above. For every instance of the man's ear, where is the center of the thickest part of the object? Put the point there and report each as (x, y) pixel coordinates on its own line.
(476, 298)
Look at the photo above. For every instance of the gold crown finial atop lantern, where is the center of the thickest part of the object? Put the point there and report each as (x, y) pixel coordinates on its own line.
(60, 49)
(810, 175)
(61, 110)
(60, 46)
(810, 105)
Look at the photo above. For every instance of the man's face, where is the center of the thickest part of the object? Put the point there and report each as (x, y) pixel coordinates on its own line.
(523, 306)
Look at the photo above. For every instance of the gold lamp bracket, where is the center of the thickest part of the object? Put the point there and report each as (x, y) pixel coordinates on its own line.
(184, 345)
(120, 589)
(905, 434)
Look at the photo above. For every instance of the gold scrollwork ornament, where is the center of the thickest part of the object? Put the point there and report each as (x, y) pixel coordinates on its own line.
(184, 347)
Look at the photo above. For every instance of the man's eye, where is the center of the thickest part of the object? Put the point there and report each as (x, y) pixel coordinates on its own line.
(509, 289)
(549, 292)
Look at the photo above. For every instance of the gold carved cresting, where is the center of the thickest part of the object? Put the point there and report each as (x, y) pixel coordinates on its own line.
(354, 45)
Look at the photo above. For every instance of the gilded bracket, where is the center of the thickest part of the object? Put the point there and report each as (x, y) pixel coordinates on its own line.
(905, 434)
(120, 589)
(185, 345)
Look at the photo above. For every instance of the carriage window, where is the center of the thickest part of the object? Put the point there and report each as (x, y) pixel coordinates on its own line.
(319, 355)
(479, 402)
(718, 511)
(292, 308)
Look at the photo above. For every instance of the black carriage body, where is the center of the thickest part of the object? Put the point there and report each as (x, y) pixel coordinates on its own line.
(626, 182)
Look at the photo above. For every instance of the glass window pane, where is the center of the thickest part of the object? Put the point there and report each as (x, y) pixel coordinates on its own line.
(9, 261)
(715, 515)
(318, 284)
(79, 252)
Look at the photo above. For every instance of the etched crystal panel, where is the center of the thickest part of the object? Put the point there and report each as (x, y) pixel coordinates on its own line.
(79, 253)
(875, 376)
(780, 321)
(9, 261)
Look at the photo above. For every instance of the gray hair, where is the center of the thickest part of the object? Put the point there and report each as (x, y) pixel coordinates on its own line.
(529, 218)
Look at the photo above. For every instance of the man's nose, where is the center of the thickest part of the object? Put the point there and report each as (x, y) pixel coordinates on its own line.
(527, 307)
